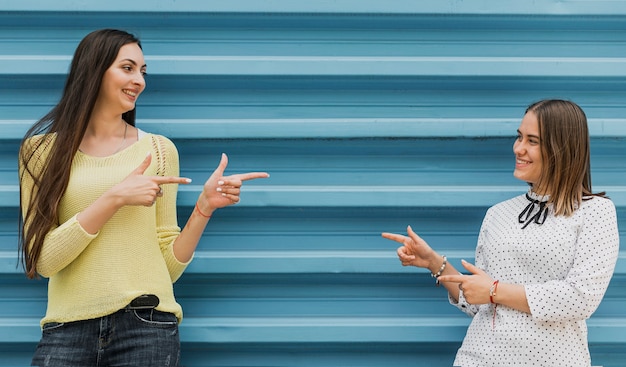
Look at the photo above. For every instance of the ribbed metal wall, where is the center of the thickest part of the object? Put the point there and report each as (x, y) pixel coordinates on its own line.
(369, 115)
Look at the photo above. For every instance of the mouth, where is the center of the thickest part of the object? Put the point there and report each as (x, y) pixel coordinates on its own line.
(129, 93)
(521, 162)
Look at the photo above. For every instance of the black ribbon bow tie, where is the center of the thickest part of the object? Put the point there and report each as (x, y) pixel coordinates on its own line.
(539, 217)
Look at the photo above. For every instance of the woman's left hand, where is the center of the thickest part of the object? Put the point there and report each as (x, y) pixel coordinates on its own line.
(220, 191)
(475, 286)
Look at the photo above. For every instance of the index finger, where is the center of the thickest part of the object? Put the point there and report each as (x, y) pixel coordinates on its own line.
(394, 237)
(250, 176)
(162, 180)
(451, 278)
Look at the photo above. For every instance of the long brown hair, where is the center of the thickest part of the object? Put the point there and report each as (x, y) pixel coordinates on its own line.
(63, 127)
(565, 150)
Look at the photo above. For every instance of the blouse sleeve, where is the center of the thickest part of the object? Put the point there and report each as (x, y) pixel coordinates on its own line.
(479, 261)
(167, 221)
(578, 295)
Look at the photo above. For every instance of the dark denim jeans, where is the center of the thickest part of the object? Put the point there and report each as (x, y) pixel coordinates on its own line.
(140, 338)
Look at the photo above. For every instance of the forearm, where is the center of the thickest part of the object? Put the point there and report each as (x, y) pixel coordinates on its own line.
(188, 239)
(479, 288)
(95, 216)
(513, 296)
(434, 268)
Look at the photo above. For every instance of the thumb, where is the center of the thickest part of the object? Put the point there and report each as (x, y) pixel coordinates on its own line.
(219, 171)
(143, 166)
(471, 267)
(410, 232)
(414, 236)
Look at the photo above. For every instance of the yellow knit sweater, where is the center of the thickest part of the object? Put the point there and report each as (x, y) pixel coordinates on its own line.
(95, 275)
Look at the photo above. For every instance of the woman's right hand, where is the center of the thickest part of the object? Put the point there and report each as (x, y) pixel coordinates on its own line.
(142, 190)
(414, 250)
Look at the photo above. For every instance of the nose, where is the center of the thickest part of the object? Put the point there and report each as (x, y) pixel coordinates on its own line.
(139, 81)
(518, 147)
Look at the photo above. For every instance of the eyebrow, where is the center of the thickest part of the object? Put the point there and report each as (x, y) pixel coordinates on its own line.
(530, 135)
(133, 62)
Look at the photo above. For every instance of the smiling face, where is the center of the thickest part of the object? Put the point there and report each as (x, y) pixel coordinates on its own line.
(124, 80)
(527, 149)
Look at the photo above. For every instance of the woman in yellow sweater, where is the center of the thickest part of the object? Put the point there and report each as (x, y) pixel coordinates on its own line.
(98, 200)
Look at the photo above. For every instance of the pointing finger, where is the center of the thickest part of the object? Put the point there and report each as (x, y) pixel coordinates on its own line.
(394, 237)
(250, 176)
(164, 180)
(471, 267)
(457, 278)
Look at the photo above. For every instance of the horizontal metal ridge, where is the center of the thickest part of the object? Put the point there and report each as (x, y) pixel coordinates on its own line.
(243, 329)
(342, 66)
(332, 127)
(356, 196)
(539, 7)
(296, 262)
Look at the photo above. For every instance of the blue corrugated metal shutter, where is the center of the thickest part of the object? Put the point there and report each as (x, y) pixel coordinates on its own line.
(369, 116)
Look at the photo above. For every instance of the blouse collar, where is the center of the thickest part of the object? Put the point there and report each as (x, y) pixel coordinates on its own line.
(528, 215)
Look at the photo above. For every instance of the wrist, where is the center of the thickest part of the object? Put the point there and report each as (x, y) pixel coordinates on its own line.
(115, 200)
(436, 262)
(493, 291)
(203, 208)
(436, 274)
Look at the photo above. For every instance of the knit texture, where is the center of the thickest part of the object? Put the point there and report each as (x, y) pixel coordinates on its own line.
(95, 275)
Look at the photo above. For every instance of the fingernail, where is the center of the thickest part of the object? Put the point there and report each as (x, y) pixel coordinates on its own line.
(463, 261)
(223, 194)
(188, 180)
(220, 182)
(219, 189)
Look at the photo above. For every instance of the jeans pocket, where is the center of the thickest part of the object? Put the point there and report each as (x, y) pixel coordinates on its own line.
(156, 318)
(50, 326)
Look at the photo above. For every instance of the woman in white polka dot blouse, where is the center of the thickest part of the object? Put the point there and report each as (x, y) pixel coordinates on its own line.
(544, 259)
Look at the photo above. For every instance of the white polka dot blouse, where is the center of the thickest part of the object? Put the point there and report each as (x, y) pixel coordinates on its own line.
(565, 265)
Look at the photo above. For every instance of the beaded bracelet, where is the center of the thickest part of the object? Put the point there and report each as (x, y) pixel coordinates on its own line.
(441, 269)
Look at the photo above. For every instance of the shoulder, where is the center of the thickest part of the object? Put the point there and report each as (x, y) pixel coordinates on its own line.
(161, 143)
(509, 205)
(597, 204)
(504, 213)
(165, 153)
(36, 149)
(41, 142)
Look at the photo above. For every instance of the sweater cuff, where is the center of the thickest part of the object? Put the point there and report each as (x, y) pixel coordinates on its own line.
(74, 221)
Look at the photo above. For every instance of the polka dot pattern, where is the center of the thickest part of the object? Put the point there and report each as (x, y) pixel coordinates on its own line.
(565, 266)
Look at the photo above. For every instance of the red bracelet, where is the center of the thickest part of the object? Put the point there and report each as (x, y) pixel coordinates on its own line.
(200, 211)
(493, 290)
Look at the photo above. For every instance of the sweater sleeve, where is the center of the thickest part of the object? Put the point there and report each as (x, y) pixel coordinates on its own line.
(62, 245)
(167, 221)
(578, 295)
(65, 241)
